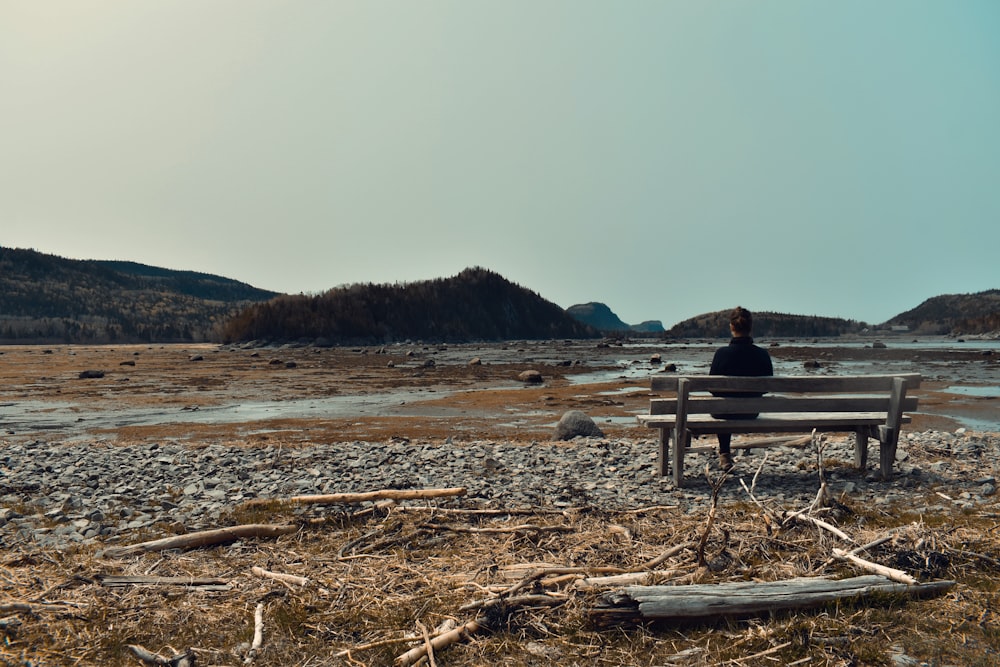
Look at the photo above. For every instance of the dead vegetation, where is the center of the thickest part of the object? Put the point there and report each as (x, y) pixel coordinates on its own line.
(440, 581)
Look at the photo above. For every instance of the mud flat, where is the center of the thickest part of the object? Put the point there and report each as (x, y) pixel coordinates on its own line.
(308, 394)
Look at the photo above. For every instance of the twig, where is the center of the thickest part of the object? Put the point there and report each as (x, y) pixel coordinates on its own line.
(546, 571)
(527, 527)
(889, 572)
(519, 601)
(773, 649)
(352, 498)
(716, 487)
(277, 576)
(819, 523)
(379, 644)
(258, 633)
(669, 553)
(427, 644)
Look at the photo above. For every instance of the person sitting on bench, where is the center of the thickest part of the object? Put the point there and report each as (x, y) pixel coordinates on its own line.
(740, 357)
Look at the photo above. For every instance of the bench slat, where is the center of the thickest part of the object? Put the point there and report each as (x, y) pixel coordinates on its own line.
(777, 422)
(768, 404)
(787, 383)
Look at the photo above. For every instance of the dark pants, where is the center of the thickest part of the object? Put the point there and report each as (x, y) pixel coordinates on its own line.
(725, 439)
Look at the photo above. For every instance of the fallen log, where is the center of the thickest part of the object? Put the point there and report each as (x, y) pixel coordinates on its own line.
(360, 497)
(202, 539)
(745, 598)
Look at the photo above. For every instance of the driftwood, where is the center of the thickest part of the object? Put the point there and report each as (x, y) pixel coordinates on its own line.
(522, 528)
(888, 572)
(278, 576)
(361, 497)
(439, 642)
(202, 539)
(204, 583)
(258, 633)
(699, 601)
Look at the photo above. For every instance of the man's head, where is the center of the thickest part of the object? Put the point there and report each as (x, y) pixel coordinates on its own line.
(740, 321)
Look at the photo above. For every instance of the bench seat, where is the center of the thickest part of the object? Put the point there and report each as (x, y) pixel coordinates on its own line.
(870, 406)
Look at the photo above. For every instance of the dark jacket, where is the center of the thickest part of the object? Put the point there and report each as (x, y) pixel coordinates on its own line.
(741, 357)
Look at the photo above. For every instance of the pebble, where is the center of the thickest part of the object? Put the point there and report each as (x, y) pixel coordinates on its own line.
(55, 495)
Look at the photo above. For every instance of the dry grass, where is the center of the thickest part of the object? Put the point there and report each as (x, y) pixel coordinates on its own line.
(379, 575)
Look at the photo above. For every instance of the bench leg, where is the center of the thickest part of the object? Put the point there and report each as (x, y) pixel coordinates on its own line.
(664, 451)
(861, 448)
(680, 447)
(887, 450)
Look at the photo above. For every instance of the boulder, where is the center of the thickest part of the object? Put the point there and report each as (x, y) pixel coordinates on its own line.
(91, 375)
(475, 361)
(574, 423)
(530, 377)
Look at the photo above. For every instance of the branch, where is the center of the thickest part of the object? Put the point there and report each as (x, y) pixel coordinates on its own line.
(439, 642)
(889, 572)
(277, 576)
(365, 496)
(258, 633)
(203, 539)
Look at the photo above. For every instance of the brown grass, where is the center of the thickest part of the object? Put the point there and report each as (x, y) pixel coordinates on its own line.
(377, 574)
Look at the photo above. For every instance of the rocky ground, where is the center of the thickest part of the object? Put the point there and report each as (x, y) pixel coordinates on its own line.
(57, 495)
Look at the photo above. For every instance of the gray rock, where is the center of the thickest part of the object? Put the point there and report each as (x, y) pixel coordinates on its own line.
(576, 423)
(530, 377)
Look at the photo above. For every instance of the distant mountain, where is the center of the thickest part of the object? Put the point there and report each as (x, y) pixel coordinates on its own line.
(599, 316)
(50, 299)
(766, 325)
(477, 304)
(977, 313)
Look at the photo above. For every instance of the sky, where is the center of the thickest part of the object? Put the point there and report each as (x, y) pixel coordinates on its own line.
(666, 158)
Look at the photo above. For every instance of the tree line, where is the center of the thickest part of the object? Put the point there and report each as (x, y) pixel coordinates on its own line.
(477, 304)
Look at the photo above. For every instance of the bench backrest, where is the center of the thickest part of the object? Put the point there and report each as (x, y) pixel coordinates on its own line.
(788, 393)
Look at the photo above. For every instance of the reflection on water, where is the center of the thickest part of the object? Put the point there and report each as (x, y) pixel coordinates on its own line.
(979, 392)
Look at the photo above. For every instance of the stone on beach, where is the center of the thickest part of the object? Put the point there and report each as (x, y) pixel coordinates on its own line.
(575, 423)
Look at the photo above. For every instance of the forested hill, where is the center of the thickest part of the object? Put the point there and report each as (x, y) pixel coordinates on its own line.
(977, 313)
(766, 325)
(50, 299)
(477, 304)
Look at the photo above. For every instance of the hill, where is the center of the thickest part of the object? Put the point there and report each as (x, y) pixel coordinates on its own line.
(477, 304)
(766, 325)
(977, 313)
(50, 299)
(602, 318)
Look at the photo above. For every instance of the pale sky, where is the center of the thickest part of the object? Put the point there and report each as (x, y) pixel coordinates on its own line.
(667, 158)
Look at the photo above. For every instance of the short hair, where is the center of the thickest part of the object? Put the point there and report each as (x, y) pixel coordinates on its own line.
(741, 320)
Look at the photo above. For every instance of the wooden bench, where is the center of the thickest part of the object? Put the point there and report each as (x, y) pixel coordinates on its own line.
(871, 406)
